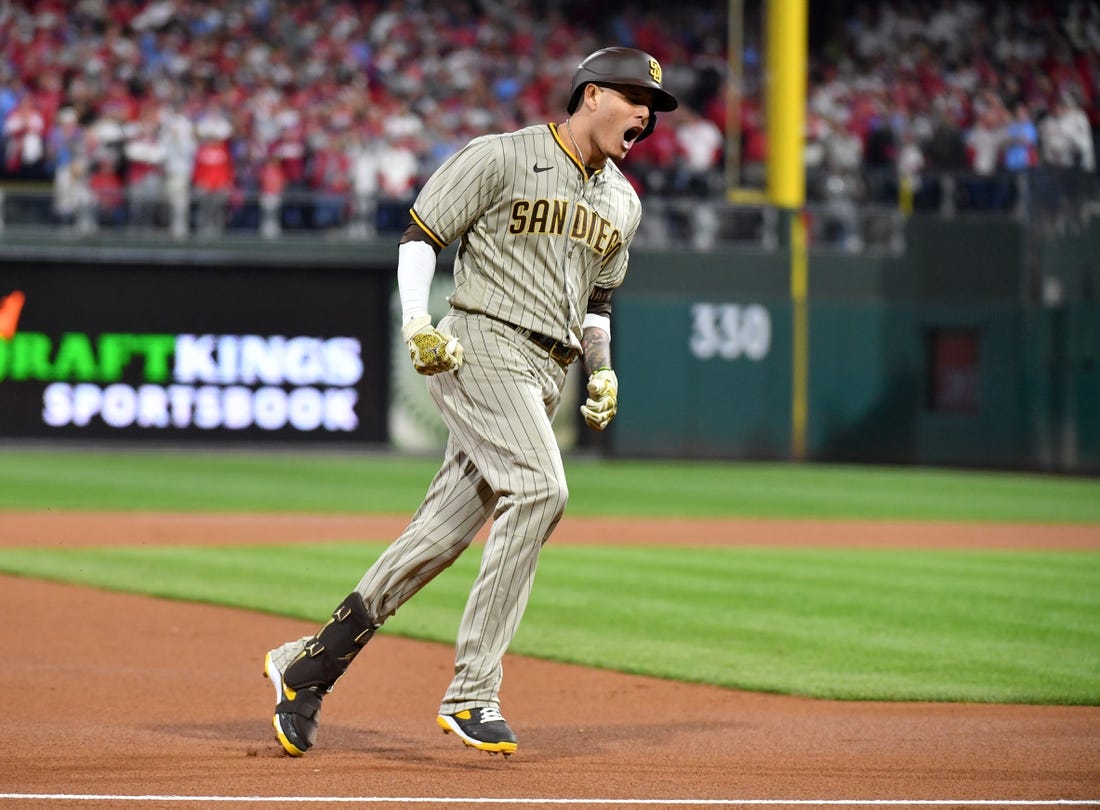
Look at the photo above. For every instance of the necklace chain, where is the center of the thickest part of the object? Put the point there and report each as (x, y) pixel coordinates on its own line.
(580, 154)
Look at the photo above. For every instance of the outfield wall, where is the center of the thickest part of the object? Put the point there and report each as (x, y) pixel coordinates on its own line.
(975, 346)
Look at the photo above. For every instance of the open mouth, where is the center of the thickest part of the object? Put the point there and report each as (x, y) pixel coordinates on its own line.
(631, 135)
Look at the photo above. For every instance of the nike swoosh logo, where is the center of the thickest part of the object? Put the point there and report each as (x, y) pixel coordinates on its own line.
(539, 168)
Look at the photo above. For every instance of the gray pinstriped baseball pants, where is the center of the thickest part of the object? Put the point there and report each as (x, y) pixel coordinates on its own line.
(502, 461)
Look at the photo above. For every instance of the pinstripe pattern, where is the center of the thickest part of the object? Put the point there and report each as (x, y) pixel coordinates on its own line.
(502, 462)
(568, 223)
(533, 245)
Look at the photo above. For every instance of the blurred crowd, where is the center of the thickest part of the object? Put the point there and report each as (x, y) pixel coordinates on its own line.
(906, 94)
(197, 115)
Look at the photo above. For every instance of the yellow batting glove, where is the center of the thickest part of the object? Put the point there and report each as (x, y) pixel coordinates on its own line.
(431, 351)
(603, 399)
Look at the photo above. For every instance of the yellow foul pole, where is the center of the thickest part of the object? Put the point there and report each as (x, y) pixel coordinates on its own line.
(786, 47)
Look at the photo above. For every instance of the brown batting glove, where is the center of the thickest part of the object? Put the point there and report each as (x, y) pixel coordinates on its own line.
(431, 351)
(603, 399)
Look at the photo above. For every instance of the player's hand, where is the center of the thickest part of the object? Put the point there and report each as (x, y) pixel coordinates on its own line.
(431, 351)
(603, 399)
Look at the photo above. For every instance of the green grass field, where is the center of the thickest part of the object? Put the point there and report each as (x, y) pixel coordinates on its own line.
(316, 482)
(868, 624)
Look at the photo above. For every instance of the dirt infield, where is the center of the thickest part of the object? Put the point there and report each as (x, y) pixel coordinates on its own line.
(68, 529)
(119, 695)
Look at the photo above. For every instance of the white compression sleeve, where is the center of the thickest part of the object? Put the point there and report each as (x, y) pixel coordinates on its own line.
(599, 321)
(415, 270)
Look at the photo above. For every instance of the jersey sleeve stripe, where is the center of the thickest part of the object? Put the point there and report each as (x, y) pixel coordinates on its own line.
(427, 230)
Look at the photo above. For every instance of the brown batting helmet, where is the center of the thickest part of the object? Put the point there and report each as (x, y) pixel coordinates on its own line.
(624, 66)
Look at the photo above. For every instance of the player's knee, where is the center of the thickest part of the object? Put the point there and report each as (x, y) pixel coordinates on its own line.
(554, 495)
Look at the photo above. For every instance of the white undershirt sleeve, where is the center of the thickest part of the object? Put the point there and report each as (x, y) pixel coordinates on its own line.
(415, 270)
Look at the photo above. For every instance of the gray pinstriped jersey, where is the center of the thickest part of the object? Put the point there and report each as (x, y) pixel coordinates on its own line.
(538, 231)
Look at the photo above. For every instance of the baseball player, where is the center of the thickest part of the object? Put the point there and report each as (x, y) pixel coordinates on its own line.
(544, 219)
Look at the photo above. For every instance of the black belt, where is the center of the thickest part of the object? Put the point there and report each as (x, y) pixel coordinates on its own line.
(561, 353)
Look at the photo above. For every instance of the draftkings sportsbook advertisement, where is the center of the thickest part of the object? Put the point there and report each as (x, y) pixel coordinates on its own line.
(193, 352)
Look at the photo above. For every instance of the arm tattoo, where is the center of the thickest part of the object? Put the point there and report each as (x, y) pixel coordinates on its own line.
(596, 349)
